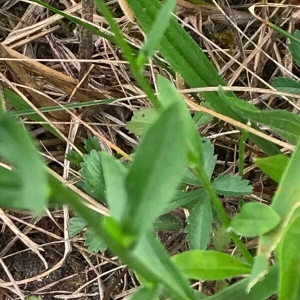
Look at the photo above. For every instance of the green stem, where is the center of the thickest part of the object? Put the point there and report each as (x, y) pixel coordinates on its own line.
(125, 47)
(241, 159)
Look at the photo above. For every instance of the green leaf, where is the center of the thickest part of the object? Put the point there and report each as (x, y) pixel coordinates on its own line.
(92, 143)
(185, 199)
(201, 118)
(145, 293)
(157, 32)
(284, 123)
(273, 166)
(200, 224)
(77, 224)
(287, 85)
(209, 162)
(158, 262)
(167, 222)
(263, 290)
(142, 120)
(94, 242)
(155, 267)
(17, 147)
(230, 185)
(254, 219)
(288, 256)
(295, 46)
(185, 57)
(74, 157)
(156, 170)
(209, 265)
(221, 238)
(93, 175)
(115, 176)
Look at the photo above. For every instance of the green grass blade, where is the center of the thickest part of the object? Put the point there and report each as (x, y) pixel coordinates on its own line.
(157, 32)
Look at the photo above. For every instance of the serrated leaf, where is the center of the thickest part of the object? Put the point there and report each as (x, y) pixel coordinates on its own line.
(200, 224)
(221, 238)
(93, 175)
(273, 166)
(141, 120)
(295, 47)
(167, 222)
(254, 219)
(94, 242)
(287, 85)
(74, 157)
(77, 224)
(185, 199)
(230, 185)
(26, 186)
(209, 265)
(92, 143)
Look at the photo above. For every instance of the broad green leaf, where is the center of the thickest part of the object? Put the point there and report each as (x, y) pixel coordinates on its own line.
(92, 143)
(115, 175)
(254, 219)
(167, 222)
(157, 32)
(142, 120)
(200, 224)
(77, 224)
(263, 290)
(209, 265)
(295, 46)
(287, 85)
(159, 262)
(93, 241)
(158, 166)
(19, 150)
(230, 185)
(188, 59)
(145, 293)
(169, 95)
(285, 202)
(93, 175)
(288, 256)
(273, 166)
